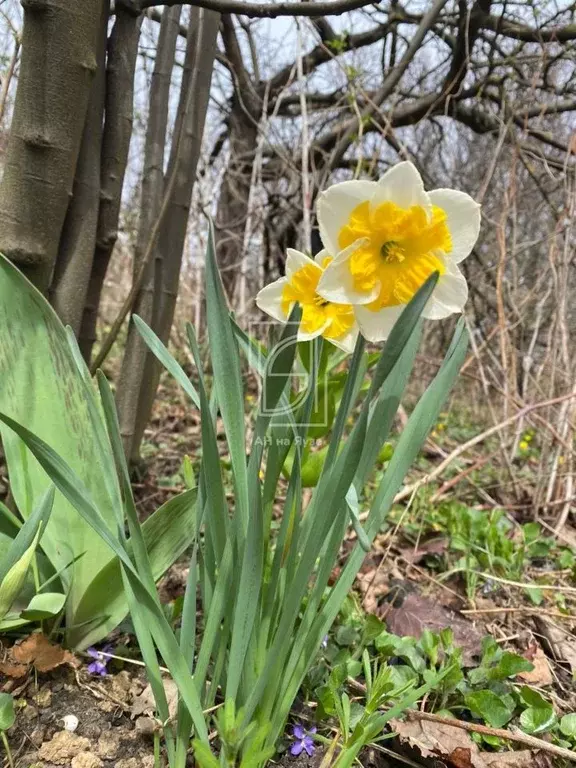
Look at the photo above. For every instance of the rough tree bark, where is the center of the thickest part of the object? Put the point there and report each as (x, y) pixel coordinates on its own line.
(59, 44)
(232, 210)
(184, 154)
(147, 299)
(121, 66)
(76, 251)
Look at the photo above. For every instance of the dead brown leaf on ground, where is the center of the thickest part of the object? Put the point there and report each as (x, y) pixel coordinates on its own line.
(145, 703)
(381, 588)
(38, 652)
(417, 613)
(541, 674)
(373, 585)
(456, 748)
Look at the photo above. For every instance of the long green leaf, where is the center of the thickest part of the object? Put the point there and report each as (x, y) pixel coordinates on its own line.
(157, 348)
(419, 424)
(401, 333)
(280, 362)
(33, 527)
(227, 380)
(385, 407)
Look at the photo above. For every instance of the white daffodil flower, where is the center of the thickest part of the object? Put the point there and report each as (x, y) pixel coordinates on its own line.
(388, 237)
(320, 316)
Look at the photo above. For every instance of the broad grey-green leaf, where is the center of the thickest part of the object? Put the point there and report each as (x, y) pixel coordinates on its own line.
(43, 390)
(167, 533)
(44, 606)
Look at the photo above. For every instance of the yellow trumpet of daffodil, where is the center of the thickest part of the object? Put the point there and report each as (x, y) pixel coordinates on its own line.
(320, 317)
(388, 237)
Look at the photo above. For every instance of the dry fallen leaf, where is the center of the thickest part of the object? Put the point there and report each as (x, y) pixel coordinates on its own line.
(373, 584)
(13, 670)
(417, 613)
(456, 748)
(37, 651)
(541, 674)
(144, 704)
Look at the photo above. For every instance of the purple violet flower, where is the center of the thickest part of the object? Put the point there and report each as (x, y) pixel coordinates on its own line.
(302, 740)
(98, 666)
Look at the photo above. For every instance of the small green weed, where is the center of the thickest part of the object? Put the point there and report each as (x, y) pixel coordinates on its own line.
(480, 541)
(366, 676)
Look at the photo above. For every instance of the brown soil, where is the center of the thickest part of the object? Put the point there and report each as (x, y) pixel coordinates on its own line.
(106, 735)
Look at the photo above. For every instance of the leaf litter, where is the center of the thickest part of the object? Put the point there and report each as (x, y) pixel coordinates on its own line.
(37, 652)
(456, 748)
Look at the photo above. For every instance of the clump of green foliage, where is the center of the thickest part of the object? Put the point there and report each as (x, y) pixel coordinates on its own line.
(365, 674)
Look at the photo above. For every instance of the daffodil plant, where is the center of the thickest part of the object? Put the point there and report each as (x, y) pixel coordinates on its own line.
(262, 565)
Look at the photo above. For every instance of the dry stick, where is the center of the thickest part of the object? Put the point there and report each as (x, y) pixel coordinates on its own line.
(514, 734)
(392, 79)
(406, 491)
(250, 214)
(137, 284)
(449, 484)
(485, 388)
(306, 197)
(265, 10)
(523, 609)
(149, 253)
(511, 583)
(515, 401)
(564, 421)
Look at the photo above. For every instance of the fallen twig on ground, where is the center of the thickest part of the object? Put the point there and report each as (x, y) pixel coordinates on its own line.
(514, 734)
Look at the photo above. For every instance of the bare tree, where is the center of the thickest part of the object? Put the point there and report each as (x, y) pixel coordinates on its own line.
(59, 61)
(343, 92)
(117, 133)
(138, 383)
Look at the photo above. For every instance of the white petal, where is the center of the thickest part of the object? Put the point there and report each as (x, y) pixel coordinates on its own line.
(320, 256)
(296, 260)
(347, 341)
(335, 206)
(376, 326)
(402, 185)
(302, 336)
(269, 299)
(463, 220)
(450, 294)
(337, 284)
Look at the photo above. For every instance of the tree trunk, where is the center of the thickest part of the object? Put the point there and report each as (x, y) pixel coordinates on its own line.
(234, 197)
(76, 251)
(136, 351)
(184, 155)
(122, 56)
(59, 44)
